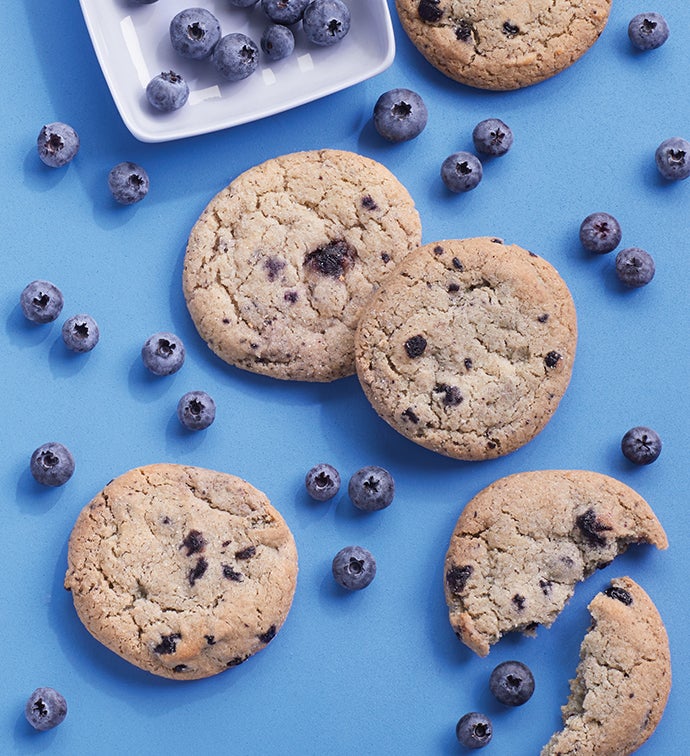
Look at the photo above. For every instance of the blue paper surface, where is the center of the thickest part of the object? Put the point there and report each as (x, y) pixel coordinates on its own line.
(380, 671)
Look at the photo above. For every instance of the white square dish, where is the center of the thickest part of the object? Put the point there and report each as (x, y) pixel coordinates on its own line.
(132, 45)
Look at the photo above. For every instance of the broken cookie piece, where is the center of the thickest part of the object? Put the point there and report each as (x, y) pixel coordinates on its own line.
(522, 544)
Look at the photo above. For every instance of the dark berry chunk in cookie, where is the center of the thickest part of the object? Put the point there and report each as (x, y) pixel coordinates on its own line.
(415, 346)
(430, 10)
(193, 542)
(198, 571)
(618, 593)
(168, 644)
(457, 578)
(333, 259)
(592, 528)
(269, 635)
(552, 359)
(232, 574)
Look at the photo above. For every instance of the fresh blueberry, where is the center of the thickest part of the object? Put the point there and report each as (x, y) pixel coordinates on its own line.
(277, 41)
(196, 410)
(45, 709)
(641, 445)
(194, 32)
(322, 482)
(461, 171)
(52, 464)
(673, 158)
(371, 488)
(400, 114)
(41, 301)
(128, 183)
(236, 56)
(512, 683)
(57, 144)
(80, 333)
(600, 233)
(474, 730)
(647, 31)
(168, 91)
(492, 137)
(326, 22)
(284, 11)
(243, 3)
(163, 353)
(354, 568)
(634, 267)
(143, 2)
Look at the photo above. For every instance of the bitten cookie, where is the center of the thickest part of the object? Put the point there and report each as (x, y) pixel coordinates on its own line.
(522, 544)
(468, 347)
(279, 263)
(182, 571)
(502, 44)
(623, 679)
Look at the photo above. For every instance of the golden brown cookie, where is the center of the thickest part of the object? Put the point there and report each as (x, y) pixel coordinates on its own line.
(502, 44)
(279, 263)
(182, 571)
(468, 347)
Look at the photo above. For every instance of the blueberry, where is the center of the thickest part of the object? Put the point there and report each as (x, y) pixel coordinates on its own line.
(143, 2)
(492, 137)
(243, 3)
(371, 488)
(647, 31)
(194, 33)
(277, 41)
(128, 183)
(52, 464)
(45, 709)
(167, 92)
(163, 353)
(600, 233)
(41, 301)
(326, 22)
(354, 568)
(322, 482)
(196, 410)
(284, 11)
(512, 683)
(236, 56)
(461, 171)
(634, 267)
(474, 730)
(400, 114)
(57, 144)
(80, 333)
(673, 158)
(641, 445)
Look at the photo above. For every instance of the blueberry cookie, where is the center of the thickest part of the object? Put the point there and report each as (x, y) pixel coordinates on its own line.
(182, 571)
(522, 544)
(468, 347)
(502, 44)
(279, 263)
(623, 679)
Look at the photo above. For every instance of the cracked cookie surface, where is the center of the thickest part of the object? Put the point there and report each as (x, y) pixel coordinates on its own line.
(522, 544)
(280, 261)
(502, 44)
(468, 347)
(180, 570)
(623, 680)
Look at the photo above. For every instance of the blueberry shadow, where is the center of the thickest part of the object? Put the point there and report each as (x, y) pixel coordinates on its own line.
(146, 387)
(32, 497)
(25, 333)
(29, 740)
(65, 363)
(180, 439)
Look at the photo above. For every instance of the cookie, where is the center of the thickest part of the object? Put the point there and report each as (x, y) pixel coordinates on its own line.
(279, 263)
(623, 679)
(468, 347)
(504, 44)
(181, 571)
(522, 544)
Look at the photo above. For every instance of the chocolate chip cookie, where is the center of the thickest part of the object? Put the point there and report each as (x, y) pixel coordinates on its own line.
(623, 679)
(468, 347)
(182, 571)
(522, 544)
(279, 263)
(502, 44)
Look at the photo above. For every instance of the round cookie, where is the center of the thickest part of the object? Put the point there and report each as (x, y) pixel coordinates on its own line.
(504, 44)
(623, 679)
(468, 347)
(182, 571)
(279, 263)
(522, 544)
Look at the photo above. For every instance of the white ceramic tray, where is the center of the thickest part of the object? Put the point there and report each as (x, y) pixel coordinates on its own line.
(133, 45)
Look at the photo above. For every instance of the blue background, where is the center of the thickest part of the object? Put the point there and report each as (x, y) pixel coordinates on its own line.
(380, 671)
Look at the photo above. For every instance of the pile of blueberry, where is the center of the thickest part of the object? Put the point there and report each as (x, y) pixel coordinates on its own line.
(195, 33)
